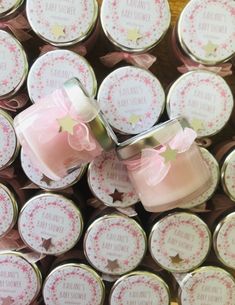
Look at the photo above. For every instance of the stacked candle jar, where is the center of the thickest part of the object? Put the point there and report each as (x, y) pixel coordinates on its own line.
(117, 187)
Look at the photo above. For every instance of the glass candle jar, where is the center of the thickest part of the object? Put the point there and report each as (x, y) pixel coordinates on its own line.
(51, 70)
(133, 26)
(140, 288)
(225, 154)
(8, 210)
(223, 240)
(132, 99)
(9, 8)
(215, 178)
(114, 244)
(179, 242)
(13, 65)
(205, 32)
(204, 99)
(20, 280)
(50, 224)
(109, 182)
(165, 166)
(208, 285)
(36, 176)
(9, 145)
(63, 131)
(73, 283)
(63, 23)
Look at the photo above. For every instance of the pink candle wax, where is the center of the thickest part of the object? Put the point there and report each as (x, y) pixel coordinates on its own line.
(166, 166)
(63, 131)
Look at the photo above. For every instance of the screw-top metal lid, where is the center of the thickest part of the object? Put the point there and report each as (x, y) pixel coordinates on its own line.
(9, 7)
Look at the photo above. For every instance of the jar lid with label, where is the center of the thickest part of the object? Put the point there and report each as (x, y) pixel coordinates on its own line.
(135, 26)
(114, 244)
(9, 145)
(140, 288)
(9, 7)
(206, 31)
(62, 23)
(51, 70)
(204, 99)
(109, 182)
(50, 224)
(73, 284)
(180, 242)
(228, 174)
(13, 65)
(20, 280)
(132, 99)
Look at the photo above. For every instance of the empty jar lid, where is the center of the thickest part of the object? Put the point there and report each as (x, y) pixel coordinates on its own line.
(9, 145)
(13, 65)
(109, 182)
(206, 30)
(208, 285)
(223, 240)
(132, 99)
(180, 242)
(50, 71)
(115, 244)
(38, 178)
(73, 284)
(215, 178)
(20, 280)
(50, 224)
(62, 23)
(9, 7)
(140, 288)
(135, 26)
(228, 174)
(8, 210)
(204, 99)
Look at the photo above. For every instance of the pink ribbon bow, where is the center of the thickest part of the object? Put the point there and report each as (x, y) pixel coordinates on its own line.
(144, 61)
(222, 70)
(18, 26)
(152, 163)
(8, 173)
(11, 241)
(80, 49)
(15, 103)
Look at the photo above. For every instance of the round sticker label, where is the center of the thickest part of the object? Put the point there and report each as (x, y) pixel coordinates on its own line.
(229, 176)
(210, 286)
(132, 99)
(8, 141)
(73, 284)
(115, 244)
(7, 211)
(62, 21)
(8, 5)
(207, 28)
(108, 180)
(140, 289)
(204, 98)
(19, 282)
(53, 69)
(13, 65)
(180, 242)
(37, 177)
(135, 24)
(50, 224)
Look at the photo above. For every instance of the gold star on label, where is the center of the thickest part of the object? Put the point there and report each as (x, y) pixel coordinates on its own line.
(116, 195)
(176, 259)
(133, 35)
(46, 243)
(134, 119)
(197, 124)
(7, 301)
(112, 265)
(67, 124)
(46, 180)
(169, 154)
(58, 31)
(210, 48)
